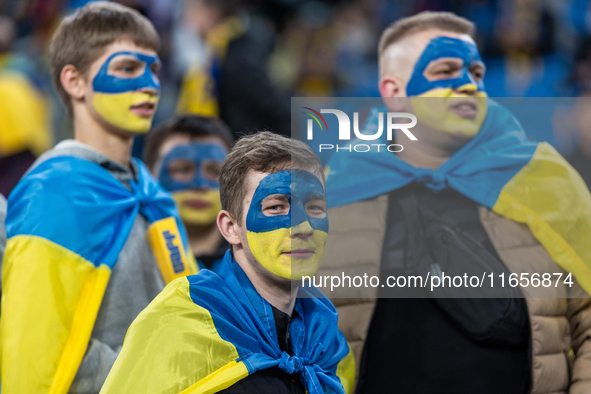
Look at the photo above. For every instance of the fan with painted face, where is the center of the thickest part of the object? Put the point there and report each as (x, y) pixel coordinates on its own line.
(445, 70)
(190, 172)
(445, 82)
(287, 225)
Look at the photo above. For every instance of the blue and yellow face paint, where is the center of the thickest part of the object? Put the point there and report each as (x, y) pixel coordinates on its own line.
(424, 92)
(276, 240)
(115, 96)
(190, 172)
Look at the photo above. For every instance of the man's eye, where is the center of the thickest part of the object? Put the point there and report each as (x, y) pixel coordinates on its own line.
(316, 209)
(180, 169)
(212, 170)
(444, 72)
(277, 207)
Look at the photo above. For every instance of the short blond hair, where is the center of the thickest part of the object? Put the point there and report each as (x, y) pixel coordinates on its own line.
(422, 21)
(81, 38)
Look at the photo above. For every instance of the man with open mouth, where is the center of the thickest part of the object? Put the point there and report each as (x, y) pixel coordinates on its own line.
(470, 194)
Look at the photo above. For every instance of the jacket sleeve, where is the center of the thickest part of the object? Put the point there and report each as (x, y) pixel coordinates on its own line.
(579, 314)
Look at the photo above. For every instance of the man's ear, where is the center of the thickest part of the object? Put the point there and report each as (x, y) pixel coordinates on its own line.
(391, 86)
(73, 82)
(393, 93)
(228, 227)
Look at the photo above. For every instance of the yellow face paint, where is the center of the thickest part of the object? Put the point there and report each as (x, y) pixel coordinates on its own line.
(433, 109)
(198, 207)
(289, 245)
(268, 247)
(115, 109)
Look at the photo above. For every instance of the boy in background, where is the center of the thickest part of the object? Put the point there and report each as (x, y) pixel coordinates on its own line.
(185, 154)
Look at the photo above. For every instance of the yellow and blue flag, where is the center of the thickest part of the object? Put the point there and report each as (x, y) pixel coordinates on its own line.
(205, 332)
(522, 180)
(67, 221)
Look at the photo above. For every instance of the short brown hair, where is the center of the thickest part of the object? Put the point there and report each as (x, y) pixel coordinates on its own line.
(81, 38)
(422, 21)
(264, 152)
(192, 125)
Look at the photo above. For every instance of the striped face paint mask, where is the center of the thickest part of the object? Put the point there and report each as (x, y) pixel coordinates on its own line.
(443, 103)
(190, 172)
(121, 101)
(287, 225)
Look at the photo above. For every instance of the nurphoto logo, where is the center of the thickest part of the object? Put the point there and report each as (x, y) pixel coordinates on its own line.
(392, 119)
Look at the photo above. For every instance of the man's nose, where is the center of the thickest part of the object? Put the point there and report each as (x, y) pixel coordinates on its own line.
(303, 230)
(152, 91)
(469, 89)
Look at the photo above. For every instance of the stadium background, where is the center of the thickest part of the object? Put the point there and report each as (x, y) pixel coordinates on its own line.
(532, 48)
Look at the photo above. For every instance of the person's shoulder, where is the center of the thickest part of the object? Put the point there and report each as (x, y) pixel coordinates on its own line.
(57, 175)
(179, 304)
(57, 185)
(204, 277)
(176, 293)
(202, 284)
(64, 160)
(172, 331)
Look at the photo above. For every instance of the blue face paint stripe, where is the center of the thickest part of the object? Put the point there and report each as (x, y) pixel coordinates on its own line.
(276, 183)
(444, 47)
(299, 187)
(105, 83)
(196, 153)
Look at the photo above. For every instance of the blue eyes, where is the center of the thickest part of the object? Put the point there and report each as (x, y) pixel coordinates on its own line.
(284, 209)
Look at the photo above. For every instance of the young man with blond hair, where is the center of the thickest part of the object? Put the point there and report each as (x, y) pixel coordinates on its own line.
(92, 237)
(249, 327)
(471, 193)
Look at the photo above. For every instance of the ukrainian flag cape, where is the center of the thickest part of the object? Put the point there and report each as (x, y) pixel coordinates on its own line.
(205, 332)
(522, 180)
(67, 221)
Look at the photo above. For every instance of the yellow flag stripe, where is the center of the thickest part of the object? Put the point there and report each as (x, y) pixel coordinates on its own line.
(219, 380)
(346, 371)
(50, 302)
(553, 200)
(82, 325)
(560, 250)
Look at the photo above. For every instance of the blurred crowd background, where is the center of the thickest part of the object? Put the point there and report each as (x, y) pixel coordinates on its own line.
(244, 59)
